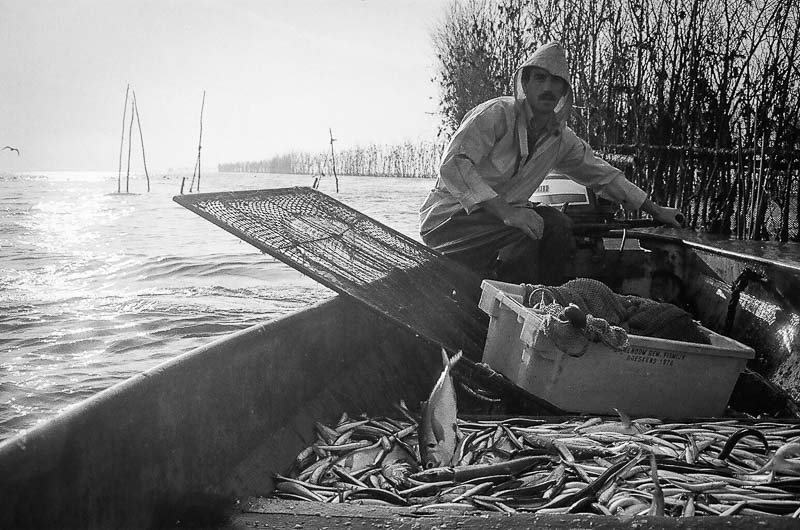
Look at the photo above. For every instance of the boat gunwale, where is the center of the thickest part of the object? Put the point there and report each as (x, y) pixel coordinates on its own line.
(675, 236)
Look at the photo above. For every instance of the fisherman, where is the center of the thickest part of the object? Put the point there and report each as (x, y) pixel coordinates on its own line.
(478, 212)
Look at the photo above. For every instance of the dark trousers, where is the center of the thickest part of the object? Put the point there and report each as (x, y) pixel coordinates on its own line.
(485, 244)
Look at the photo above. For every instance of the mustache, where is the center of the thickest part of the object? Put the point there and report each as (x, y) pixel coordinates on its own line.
(547, 95)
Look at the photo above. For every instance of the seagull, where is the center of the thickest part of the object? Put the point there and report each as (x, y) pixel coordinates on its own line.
(11, 149)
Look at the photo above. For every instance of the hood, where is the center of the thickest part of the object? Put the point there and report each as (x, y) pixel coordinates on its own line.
(550, 57)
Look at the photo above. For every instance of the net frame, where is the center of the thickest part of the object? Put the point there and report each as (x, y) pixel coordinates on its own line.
(356, 256)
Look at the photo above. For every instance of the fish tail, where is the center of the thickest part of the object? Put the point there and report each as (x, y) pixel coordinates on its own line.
(449, 362)
(624, 418)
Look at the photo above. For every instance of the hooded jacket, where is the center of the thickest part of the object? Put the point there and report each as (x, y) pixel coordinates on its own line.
(488, 154)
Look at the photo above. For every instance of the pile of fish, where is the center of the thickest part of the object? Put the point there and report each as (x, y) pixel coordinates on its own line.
(580, 465)
(597, 465)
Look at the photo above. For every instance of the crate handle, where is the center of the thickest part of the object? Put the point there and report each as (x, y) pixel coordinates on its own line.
(544, 291)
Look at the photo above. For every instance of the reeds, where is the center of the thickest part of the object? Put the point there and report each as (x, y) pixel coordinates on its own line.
(677, 80)
(750, 193)
(706, 90)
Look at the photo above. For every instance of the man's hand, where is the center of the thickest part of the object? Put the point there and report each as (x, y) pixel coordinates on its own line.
(527, 220)
(669, 216)
(522, 217)
(664, 214)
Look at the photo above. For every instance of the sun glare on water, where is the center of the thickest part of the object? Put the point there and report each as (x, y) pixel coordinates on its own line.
(73, 224)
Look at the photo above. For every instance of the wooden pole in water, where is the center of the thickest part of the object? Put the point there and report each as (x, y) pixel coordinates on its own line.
(333, 161)
(122, 139)
(200, 140)
(199, 147)
(128, 174)
(194, 174)
(141, 139)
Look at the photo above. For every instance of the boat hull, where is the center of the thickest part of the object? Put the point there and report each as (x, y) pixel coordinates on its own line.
(749, 291)
(184, 440)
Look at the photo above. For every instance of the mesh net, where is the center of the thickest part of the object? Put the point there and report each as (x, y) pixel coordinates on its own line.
(637, 315)
(357, 256)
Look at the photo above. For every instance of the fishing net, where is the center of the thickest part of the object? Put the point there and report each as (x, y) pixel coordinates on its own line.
(569, 327)
(357, 256)
(633, 314)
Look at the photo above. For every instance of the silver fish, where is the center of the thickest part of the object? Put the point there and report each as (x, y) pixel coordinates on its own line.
(438, 430)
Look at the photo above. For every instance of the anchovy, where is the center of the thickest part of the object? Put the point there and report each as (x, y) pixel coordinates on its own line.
(380, 494)
(438, 430)
(591, 489)
(443, 506)
(508, 469)
(294, 488)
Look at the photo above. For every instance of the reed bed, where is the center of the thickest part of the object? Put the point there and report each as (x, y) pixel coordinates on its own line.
(745, 193)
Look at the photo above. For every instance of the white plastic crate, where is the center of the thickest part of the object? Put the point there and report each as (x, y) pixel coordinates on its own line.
(652, 377)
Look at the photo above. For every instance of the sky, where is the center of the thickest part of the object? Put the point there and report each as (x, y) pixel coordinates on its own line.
(277, 75)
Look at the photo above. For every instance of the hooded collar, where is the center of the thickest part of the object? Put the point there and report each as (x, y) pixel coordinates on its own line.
(552, 58)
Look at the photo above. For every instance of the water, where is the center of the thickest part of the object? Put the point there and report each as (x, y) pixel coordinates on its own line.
(96, 287)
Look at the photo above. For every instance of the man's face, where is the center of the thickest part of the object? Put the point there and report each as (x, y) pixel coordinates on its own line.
(544, 90)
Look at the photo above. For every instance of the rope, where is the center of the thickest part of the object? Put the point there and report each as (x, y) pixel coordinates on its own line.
(609, 317)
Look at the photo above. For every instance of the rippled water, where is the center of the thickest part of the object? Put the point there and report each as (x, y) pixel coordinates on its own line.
(96, 287)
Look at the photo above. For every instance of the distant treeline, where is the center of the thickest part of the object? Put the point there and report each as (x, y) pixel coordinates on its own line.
(408, 160)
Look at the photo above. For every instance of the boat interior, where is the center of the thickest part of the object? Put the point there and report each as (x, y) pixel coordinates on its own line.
(198, 440)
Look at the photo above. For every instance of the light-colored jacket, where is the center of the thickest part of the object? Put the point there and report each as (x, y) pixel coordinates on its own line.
(488, 155)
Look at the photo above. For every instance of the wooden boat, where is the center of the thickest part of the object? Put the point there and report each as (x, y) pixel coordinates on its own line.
(189, 442)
